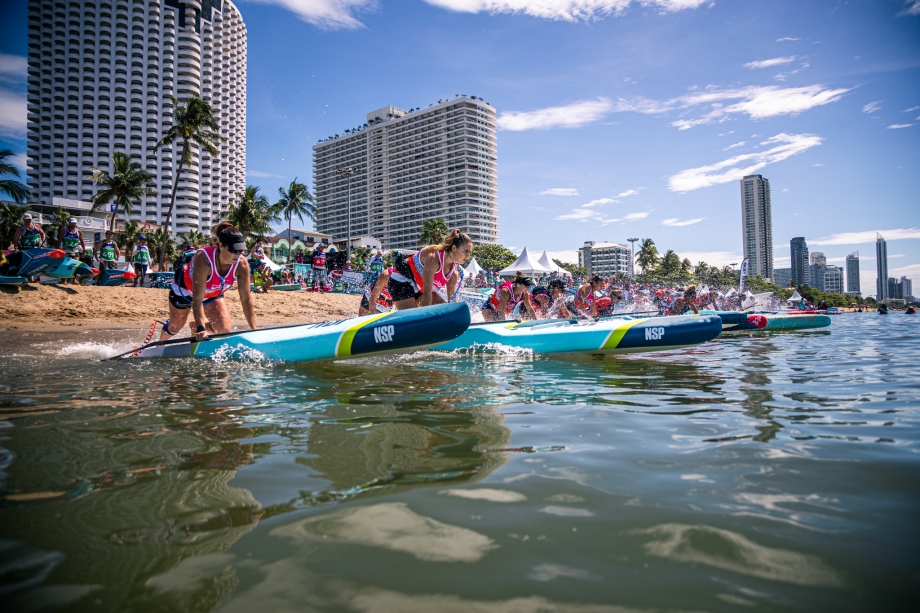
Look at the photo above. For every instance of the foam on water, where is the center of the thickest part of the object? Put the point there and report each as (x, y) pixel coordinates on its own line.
(242, 355)
(91, 349)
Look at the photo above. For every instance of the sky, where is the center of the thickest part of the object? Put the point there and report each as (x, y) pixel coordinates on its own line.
(616, 118)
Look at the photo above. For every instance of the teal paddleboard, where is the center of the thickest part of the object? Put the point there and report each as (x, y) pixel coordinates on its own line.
(384, 333)
(615, 335)
(12, 280)
(68, 269)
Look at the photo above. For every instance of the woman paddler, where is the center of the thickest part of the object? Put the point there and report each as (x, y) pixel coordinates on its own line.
(508, 295)
(585, 297)
(201, 286)
(434, 267)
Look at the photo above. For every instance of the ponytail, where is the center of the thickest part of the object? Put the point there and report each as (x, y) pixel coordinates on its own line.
(454, 238)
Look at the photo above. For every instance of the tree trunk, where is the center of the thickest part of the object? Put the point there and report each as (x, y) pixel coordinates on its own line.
(172, 203)
(114, 213)
(290, 240)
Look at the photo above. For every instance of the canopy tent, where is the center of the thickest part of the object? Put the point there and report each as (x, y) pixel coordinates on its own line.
(525, 265)
(795, 297)
(552, 266)
(474, 268)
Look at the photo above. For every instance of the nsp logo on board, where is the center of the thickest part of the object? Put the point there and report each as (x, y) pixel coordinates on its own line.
(654, 334)
(384, 334)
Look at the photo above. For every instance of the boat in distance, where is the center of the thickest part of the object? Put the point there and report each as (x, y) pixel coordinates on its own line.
(370, 335)
(613, 335)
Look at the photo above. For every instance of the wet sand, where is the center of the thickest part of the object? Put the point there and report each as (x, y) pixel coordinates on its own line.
(62, 307)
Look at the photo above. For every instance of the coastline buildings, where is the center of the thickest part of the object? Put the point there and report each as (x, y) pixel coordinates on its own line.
(782, 276)
(900, 289)
(799, 252)
(881, 267)
(757, 226)
(832, 280)
(439, 162)
(605, 259)
(816, 270)
(852, 268)
(99, 75)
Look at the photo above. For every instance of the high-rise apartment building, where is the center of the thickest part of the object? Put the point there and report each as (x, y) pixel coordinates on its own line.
(408, 166)
(816, 270)
(799, 252)
(100, 72)
(832, 280)
(881, 267)
(907, 289)
(782, 276)
(605, 259)
(757, 225)
(852, 265)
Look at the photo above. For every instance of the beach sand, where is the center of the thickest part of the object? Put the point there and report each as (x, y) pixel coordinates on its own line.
(61, 307)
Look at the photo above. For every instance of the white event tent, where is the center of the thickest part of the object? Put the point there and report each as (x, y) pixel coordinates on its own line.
(473, 269)
(525, 265)
(552, 266)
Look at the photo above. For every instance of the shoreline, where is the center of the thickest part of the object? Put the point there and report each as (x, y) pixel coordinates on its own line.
(61, 308)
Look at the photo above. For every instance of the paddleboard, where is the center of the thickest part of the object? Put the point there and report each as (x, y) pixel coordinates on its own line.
(69, 268)
(384, 333)
(290, 287)
(734, 321)
(36, 261)
(111, 277)
(12, 280)
(615, 335)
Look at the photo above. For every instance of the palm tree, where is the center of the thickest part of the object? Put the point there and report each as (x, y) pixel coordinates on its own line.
(295, 201)
(194, 123)
(10, 218)
(254, 215)
(433, 232)
(195, 238)
(17, 191)
(648, 255)
(128, 238)
(162, 242)
(126, 186)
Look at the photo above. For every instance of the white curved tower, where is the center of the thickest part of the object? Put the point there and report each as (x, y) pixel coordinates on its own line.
(100, 72)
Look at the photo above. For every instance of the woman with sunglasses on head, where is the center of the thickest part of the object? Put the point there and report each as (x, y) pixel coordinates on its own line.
(414, 279)
(508, 295)
(200, 287)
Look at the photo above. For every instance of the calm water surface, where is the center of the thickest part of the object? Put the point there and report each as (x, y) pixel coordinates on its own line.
(757, 472)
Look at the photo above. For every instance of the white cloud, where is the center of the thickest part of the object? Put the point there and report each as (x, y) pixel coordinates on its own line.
(866, 236)
(569, 256)
(573, 115)
(782, 146)
(562, 10)
(736, 145)
(261, 175)
(12, 114)
(560, 191)
(14, 66)
(758, 102)
(588, 212)
(901, 126)
(713, 258)
(911, 271)
(776, 61)
(912, 109)
(873, 107)
(326, 14)
(912, 8)
(818, 165)
(19, 160)
(677, 223)
(629, 192)
(786, 38)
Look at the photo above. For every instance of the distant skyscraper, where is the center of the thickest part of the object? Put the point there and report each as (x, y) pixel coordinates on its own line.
(99, 77)
(782, 276)
(833, 280)
(434, 163)
(799, 252)
(881, 266)
(757, 226)
(907, 289)
(816, 270)
(853, 272)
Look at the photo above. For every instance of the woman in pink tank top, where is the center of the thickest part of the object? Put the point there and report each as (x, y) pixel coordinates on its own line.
(415, 278)
(199, 288)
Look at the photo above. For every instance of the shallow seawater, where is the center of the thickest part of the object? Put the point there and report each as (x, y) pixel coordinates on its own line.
(756, 472)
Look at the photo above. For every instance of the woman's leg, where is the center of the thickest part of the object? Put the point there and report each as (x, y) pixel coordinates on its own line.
(218, 314)
(177, 319)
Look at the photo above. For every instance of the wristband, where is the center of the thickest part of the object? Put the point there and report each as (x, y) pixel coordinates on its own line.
(200, 329)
